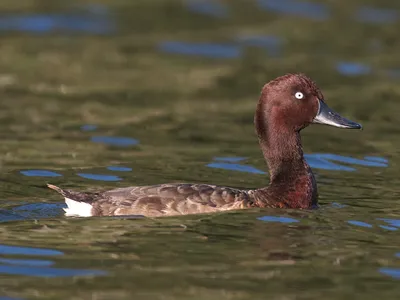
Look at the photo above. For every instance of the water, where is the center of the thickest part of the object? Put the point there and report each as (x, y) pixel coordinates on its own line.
(104, 96)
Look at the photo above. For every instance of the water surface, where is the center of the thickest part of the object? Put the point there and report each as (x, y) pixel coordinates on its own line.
(146, 92)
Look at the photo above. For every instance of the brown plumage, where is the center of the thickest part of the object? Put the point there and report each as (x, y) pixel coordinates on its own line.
(286, 106)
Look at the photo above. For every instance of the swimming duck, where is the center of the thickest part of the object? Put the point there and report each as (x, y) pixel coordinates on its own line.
(287, 105)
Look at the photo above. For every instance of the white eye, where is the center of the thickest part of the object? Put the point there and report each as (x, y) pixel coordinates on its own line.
(299, 95)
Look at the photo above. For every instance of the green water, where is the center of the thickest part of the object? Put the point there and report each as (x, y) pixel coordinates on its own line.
(184, 111)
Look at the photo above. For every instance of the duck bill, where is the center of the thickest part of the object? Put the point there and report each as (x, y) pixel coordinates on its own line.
(329, 117)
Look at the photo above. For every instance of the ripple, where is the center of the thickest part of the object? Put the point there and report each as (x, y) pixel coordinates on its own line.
(272, 43)
(37, 267)
(377, 158)
(353, 69)
(359, 223)
(211, 50)
(230, 159)
(323, 161)
(388, 227)
(46, 23)
(18, 250)
(208, 8)
(316, 11)
(100, 177)
(338, 205)
(391, 222)
(376, 15)
(38, 210)
(277, 219)
(39, 173)
(88, 127)
(115, 140)
(392, 272)
(119, 168)
(47, 272)
(235, 167)
(27, 262)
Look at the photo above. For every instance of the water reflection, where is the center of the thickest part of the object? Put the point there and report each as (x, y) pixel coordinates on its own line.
(316, 11)
(37, 267)
(277, 219)
(391, 222)
(352, 69)
(88, 127)
(208, 8)
(40, 173)
(392, 272)
(315, 160)
(97, 21)
(101, 177)
(35, 211)
(359, 223)
(376, 15)
(119, 169)
(273, 44)
(115, 140)
(210, 50)
(17, 250)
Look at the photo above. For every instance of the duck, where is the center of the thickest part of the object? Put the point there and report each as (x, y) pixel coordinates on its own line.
(287, 105)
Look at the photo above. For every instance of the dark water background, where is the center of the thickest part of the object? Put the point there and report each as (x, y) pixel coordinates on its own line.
(107, 94)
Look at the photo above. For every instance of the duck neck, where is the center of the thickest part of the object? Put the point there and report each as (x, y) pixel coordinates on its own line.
(284, 155)
(292, 183)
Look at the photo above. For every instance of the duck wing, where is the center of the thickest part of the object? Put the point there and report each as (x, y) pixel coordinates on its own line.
(157, 200)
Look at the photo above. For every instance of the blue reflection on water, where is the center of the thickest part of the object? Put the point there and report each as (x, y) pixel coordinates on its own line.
(115, 140)
(235, 167)
(27, 262)
(359, 223)
(316, 11)
(388, 227)
(211, 50)
(277, 219)
(47, 272)
(272, 43)
(391, 222)
(100, 177)
(230, 159)
(208, 7)
(315, 160)
(392, 272)
(338, 205)
(322, 161)
(352, 69)
(18, 250)
(40, 173)
(37, 267)
(96, 22)
(376, 15)
(88, 127)
(38, 210)
(119, 169)
(377, 158)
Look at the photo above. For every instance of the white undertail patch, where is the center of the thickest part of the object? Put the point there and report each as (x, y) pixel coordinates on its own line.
(77, 209)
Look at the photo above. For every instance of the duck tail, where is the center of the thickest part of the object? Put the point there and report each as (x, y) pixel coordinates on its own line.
(74, 207)
(57, 189)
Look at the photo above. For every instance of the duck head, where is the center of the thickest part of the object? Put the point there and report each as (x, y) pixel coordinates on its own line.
(292, 102)
(286, 106)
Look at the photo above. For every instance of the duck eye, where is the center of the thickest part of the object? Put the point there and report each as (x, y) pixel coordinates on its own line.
(299, 95)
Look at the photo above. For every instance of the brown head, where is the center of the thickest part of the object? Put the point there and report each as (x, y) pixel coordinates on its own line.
(287, 105)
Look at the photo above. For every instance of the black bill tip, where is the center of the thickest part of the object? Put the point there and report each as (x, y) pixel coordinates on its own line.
(327, 116)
